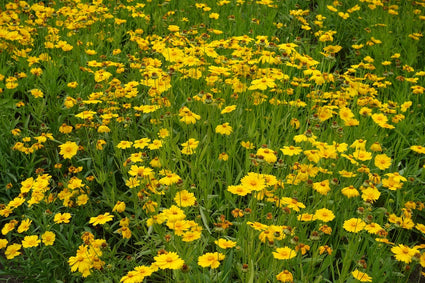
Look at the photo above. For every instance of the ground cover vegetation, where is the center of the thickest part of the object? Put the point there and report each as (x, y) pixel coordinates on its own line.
(212, 141)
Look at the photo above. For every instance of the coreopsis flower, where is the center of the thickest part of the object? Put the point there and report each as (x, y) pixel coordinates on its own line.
(291, 150)
(68, 149)
(418, 149)
(267, 154)
(141, 171)
(362, 155)
(239, 190)
(170, 179)
(24, 226)
(124, 144)
(361, 276)
(350, 192)
(228, 109)
(420, 227)
(155, 162)
(37, 93)
(119, 207)
(253, 181)
(141, 143)
(285, 276)
(322, 187)
(354, 225)
(325, 248)
(370, 194)
(224, 129)
(190, 236)
(373, 228)
(247, 145)
(3, 243)
(225, 244)
(211, 260)
(185, 198)
(173, 214)
(295, 123)
(81, 261)
(101, 219)
(62, 218)
(284, 253)
(138, 274)
(100, 144)
(72, 84)
(132, 182)
(187, 116)
(65, 129)
(48, 238)
(30, 241)
(223, 156)
(324, 215)
(291, 203)
(190, 146)
(382, 161)
(376, 146)
(12, 251)
(156, 144)
(404, 253)
(168, 260)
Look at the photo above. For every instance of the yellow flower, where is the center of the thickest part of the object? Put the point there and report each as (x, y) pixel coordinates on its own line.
(225, 244)
(170, 260)
(36, 93)
(211, 260)
(228, 109)
(224, 129)
(322, 187)
(362, 155)
(284, 253)
(239, 190)
(101, 219)
(285, 276)
(350, 192)
(382, 161)
(324, 215)
(185, 198)
(156, 144)
(370, 194)
(247, 145)
(48, 238)
(291, 150)
(81, 261)
(267, 155)
(173, 28)
(223, 156)
(62, 218)
(190, 146)
(68, 149)
(138, 274)
(361, 276)
(188, 116)
(170, 179)
(12, 251)
(25, 225)
(119, 207)
(124, 144)
(253, 182)
(30, 241)
(404, 253)
(3, 243)
(354, 225)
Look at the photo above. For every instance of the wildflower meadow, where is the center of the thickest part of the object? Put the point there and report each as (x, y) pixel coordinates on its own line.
(212, 141)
